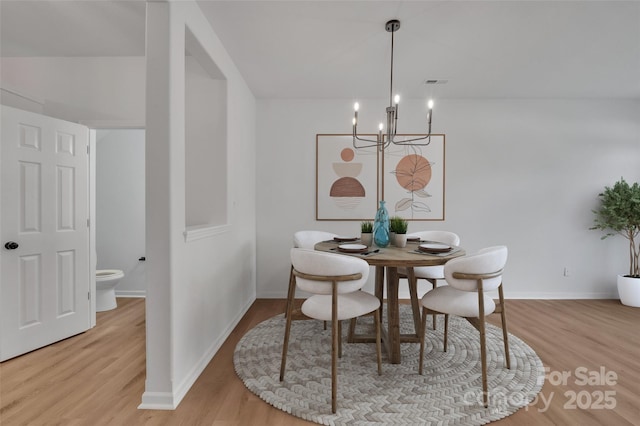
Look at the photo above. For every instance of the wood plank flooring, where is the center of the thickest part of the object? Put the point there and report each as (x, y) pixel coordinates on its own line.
(97, 378)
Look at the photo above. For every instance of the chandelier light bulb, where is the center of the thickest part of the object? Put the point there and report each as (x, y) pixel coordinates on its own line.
(396, 99)
(430, 104)
(381, 127)
(356, 106)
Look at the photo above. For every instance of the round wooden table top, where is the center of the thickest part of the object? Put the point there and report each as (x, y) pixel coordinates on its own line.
(393, 256)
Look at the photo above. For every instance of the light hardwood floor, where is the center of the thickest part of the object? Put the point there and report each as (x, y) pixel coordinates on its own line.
(98, 377)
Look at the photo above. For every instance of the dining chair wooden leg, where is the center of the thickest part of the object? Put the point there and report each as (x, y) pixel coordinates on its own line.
(287, 332)
(376, 316)
(483, 344)
(422, 338)
(415, 303)
(291, 292)
(352, 330)
(483, 360)
(433, 285)
(505, 334)
(446, 330)
(334, 365)
(379, 288)
(339, 339)
(334, 346)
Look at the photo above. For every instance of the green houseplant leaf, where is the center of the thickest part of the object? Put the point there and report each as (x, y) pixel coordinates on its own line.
(619, 214)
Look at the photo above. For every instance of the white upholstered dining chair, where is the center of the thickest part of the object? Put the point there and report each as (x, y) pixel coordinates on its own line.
(469, 277)
(307, 240)
(335, 281)
(430, 273)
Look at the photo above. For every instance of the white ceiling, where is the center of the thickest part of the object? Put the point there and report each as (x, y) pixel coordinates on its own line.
(339, 49)
(72, 28)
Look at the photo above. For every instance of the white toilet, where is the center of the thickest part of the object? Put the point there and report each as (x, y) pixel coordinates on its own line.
(106, 281)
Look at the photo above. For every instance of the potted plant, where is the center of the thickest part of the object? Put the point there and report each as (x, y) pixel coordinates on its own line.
(619, 213)
(366, 233)
(393, 220)
(400, 227)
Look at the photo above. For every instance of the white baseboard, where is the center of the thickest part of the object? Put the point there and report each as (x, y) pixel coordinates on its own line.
(197, 369)
(273, 295)
(157, 401)
(169, 401)
(508, 295)
(560, 296)
(131, 293)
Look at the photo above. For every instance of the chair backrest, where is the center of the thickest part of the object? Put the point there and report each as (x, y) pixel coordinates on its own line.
(485, 261)
(444, 237)
(308, 239)
(325, 264)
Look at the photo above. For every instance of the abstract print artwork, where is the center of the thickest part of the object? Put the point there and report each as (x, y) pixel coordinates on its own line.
(346, 179)
(413, 179)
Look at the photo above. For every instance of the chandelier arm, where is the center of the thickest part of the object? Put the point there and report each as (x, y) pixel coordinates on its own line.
(356, 137)
(365, 146)
(395, 123)
(372, 143)
(409, 141)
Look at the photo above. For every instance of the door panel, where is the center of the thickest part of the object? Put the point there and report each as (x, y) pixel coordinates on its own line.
(44, 283)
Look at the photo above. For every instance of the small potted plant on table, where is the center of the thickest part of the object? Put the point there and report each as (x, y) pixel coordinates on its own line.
(400, 226)
(619, 213)
(393, 222)
(366, 233)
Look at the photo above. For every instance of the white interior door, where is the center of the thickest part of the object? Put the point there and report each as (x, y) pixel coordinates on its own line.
(44, 287)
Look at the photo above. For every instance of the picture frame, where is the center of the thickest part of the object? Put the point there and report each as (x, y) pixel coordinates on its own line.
(346, 179)
(413, 179)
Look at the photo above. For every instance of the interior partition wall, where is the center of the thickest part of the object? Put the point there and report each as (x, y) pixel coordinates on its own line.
(201, 253)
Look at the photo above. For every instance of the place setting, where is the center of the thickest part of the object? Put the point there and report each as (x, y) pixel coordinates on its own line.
(434, 248)
(355, 248)
(345, 239)
(351, 245)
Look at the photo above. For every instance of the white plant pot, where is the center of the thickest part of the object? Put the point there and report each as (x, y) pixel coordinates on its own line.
(401, 240)
(629, 291)
(366, 238)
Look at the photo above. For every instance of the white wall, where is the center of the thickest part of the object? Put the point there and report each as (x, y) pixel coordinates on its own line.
(199, 286)
(524, 173)
(206, 146)
(91, 90)
(120, 208)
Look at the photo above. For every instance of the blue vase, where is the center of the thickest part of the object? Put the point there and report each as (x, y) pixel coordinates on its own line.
(381, 227)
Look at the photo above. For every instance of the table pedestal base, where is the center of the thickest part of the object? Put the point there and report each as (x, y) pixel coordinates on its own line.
(391, 336)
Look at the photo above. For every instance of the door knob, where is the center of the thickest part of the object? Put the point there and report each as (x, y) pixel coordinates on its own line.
(11, 245)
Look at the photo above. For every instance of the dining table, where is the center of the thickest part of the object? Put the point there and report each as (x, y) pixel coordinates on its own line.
(386, 261)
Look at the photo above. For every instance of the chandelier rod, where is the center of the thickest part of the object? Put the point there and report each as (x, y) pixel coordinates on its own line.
(391, 83)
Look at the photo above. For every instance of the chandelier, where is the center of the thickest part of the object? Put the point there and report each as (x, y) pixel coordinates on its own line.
(384, 139)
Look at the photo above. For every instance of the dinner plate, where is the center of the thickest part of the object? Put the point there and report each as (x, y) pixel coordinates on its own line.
(353, 248)
(413, 239)
(344, 239)
(434, 248)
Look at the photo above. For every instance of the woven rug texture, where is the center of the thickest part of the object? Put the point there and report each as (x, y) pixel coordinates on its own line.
(448, 393)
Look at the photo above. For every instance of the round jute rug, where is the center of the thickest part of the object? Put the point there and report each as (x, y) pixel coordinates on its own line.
(448, 393)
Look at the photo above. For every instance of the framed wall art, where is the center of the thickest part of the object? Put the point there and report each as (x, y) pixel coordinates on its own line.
(413, 179)
(346, 179)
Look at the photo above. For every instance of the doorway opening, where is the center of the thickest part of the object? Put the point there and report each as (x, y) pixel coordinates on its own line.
(118, 183)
